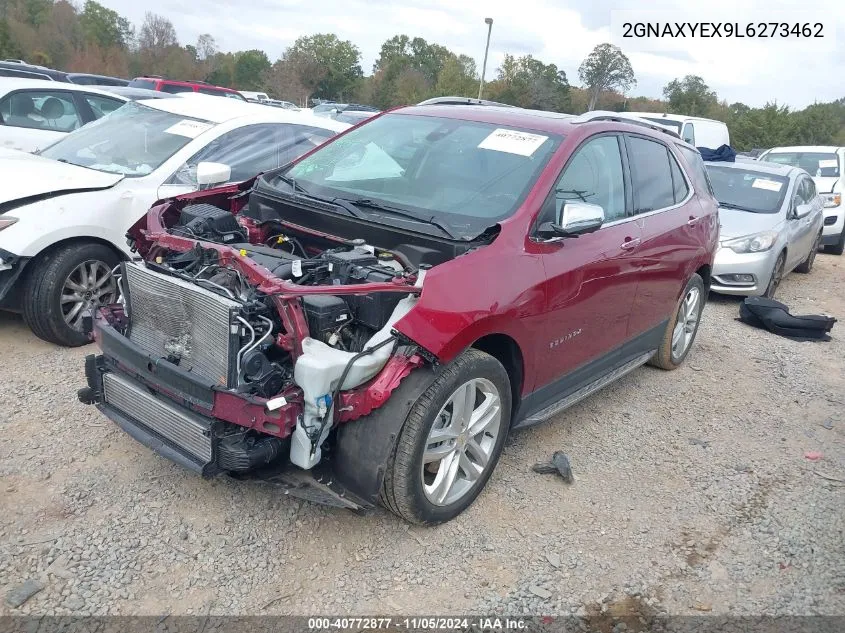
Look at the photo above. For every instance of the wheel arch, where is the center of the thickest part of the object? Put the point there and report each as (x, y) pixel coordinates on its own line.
(507, 351)
(82, 239)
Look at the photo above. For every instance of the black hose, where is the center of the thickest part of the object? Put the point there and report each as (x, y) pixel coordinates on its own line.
(336, 392)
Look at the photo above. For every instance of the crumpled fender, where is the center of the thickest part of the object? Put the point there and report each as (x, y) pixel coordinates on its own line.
(364, 447)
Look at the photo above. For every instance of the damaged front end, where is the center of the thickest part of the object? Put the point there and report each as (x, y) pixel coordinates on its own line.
(244, 346)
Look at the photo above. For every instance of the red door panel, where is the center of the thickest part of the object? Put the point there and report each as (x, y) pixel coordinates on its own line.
(590, 288)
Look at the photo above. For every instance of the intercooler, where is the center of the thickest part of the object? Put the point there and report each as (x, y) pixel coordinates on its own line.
(183, 322)
(187, 431)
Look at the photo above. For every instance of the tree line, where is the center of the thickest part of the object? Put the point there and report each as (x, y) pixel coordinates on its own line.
(93, 38)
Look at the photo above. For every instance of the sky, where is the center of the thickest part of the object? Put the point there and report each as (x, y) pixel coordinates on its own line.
(563, 32)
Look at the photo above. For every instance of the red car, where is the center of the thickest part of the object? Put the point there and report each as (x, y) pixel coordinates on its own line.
(175, 87)
(367, 324)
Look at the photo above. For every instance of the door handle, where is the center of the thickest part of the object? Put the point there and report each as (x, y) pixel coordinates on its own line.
(692, 220)
(630, 243)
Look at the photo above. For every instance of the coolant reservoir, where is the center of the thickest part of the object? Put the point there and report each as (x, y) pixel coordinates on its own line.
(318, 372)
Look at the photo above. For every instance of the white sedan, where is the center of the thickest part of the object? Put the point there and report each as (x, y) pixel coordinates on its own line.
(35, 113)
(64, 213)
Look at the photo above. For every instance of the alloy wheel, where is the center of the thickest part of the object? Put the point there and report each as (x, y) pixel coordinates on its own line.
(777, 276)
(687, 323)
(460, 444)
(88, 285)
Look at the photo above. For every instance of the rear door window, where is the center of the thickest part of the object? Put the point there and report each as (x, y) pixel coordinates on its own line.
(175, 88)
(679, 184)
(40, 110)
(651, 175)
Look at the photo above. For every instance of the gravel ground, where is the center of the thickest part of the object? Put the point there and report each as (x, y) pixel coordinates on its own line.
(692, 495)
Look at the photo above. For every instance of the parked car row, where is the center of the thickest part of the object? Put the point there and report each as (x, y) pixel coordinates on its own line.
(331, 326)
(66, 210)
(311, 304)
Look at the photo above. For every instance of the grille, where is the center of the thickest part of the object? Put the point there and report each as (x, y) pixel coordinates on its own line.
(183, 322)
(188, 432)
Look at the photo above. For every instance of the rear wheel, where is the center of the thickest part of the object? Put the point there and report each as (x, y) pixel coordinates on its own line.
(682, 327)
(63, 285)
(777, 276)
(807, 265)
(451, 441)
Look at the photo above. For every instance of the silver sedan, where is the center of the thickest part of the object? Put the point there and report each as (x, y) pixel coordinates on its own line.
(770, 222)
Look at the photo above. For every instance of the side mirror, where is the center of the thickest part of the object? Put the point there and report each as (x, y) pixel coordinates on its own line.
(213, 174)
(574, 219)
(802, 210)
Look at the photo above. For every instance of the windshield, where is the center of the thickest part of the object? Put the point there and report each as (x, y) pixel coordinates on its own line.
(748, 190)
(814, 163)
(666, 122)
(134, 140)
(149, 84)
(463, 173)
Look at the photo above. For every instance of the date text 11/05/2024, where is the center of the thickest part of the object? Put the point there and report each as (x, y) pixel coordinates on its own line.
(418, 623)
(682, 30)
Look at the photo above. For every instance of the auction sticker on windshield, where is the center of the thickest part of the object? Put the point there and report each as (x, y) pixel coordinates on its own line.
(513, 142)
(186, 127)
(828, 163)
(769, 185)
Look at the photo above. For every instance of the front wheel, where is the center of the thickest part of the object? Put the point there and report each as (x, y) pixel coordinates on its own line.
(63, 285)
(682, 327)
(451, 441)
(807, 265)
(777, 276)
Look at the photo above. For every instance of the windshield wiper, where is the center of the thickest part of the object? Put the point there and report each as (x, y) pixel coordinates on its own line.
(300, 191)
(379, 206)
(728, 205)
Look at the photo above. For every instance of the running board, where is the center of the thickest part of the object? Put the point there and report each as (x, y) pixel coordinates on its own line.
(587, 390)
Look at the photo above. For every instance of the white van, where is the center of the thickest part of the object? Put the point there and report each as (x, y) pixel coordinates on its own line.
(696, 131)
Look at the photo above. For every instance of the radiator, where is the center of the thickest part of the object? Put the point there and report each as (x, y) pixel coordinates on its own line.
(183, 322)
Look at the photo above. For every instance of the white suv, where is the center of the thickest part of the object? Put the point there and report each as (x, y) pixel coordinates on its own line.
(64, 213)
(826, 164)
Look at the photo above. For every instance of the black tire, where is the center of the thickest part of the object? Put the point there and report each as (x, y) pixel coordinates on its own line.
(665, 357)
(42, 291)
(402, 492)
(838, 248)
(777, 276)
(806, 266)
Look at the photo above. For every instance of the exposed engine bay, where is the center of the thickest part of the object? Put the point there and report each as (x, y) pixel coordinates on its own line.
(294, 321)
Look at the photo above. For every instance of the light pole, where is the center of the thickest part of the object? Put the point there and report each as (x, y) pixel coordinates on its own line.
(489, 23)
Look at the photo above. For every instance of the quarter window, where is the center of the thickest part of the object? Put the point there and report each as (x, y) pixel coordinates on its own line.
(175, 88)
(689, 134)
(697, 171)
(40, 110)
(651, 175)
(101, 106)
(594, 175)
(679, 185)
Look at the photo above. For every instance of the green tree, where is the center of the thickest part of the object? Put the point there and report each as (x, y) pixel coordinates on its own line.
(104, 27)
(606, 68)
(36, 12)
(457, 78)
(7, 47)
(529, 83)
(250, 69)
(336, 61)
(690, 96)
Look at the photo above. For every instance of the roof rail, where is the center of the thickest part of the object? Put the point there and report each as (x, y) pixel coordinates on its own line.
(462, 101)
(623, 117)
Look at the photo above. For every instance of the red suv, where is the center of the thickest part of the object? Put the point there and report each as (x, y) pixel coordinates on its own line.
(175, 87)
(368, 324)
